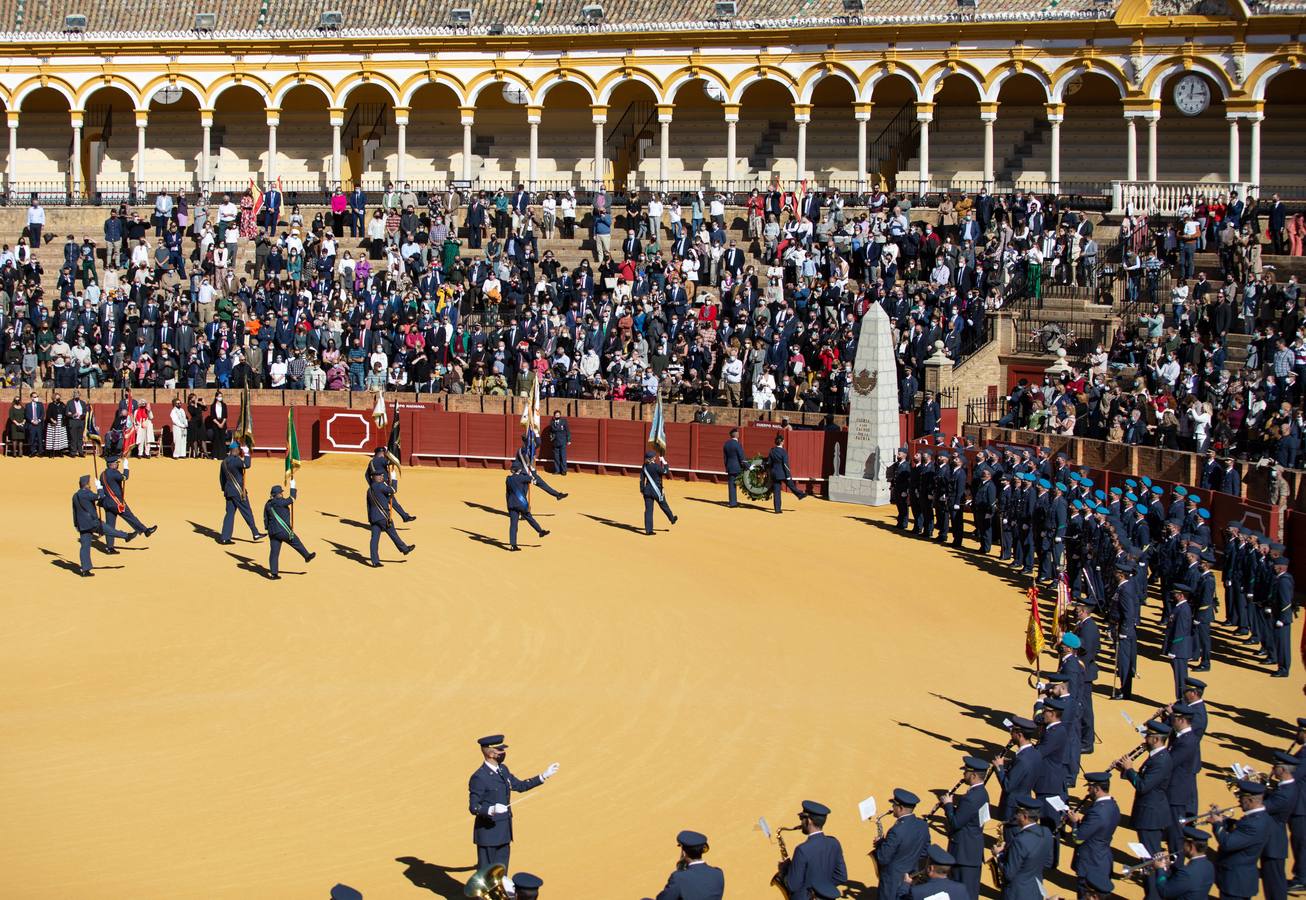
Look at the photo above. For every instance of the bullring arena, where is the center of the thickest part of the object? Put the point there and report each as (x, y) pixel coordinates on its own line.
(1059, 241)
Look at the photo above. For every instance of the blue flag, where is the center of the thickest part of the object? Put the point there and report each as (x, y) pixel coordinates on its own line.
(657, 432)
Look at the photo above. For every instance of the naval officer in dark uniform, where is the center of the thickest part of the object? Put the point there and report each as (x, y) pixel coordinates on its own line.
(380, 499)
(113, 497)
(232, 479)
(489, 791)
(517, 488)
(778, 462)
(902, 849)
(277, 517)
(651, 474)
(693, 879)
(735, 462)
(87, 522)
(378, 463)
(966, 827)
(817, 866)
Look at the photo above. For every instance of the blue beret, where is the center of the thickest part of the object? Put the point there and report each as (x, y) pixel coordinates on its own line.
(492, 740)
(1087, 482)
(529, 881)
(1156, 727)
(1103, 510)
(1078, 504)
(1158, 490)
(905, 798)
(940, 857)
(685, 839)
(1071, 640)
(1117, 491)
(1097, 777)
(1061, 486)
(1196, 834)
(974, 763)
(812, 808)
(1193, 499)
(1204, 513)
(1131, 497)
(1100, 494)
(1045, 484)
(1147, 482)
(1180, 490)
(1141, 508)
(1029, 803)
(233, 445)
(1250, 787)
(1074, 476)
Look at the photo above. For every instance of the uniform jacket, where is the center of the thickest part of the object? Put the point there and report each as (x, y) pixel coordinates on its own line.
(1190, 882)
(486, 788)
(378, 503)
(85, 518)
(778, 462)
(697, 881)
(1151, 809)
(1028, 853)
(900, 853)
(1182, 790)
(1017, 780)
(113, 497)
(279, 507)
(735, 460)
(1093, 834)
(935, 886)
(1280, 804)
(232, 476)
(650, 478)
(1179, 631)
(817, 865)
(1241, 843)
(965, 834)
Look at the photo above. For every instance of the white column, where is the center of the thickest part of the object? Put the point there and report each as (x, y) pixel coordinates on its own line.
(664, 150)
(401, 140)
(76, 161)
(862, 115)
(533, 116)
(1255, 173)
(11, 175)
(274, 119)
(600, 117)
(337, 121)
(802, 115)
(988, 115)
(1152, 122)
(924, 115)
(206, 150)
(1056, 115)
(731, 112)
(1235, 162)
(142, 118)
(1131, 149)
(467, 115)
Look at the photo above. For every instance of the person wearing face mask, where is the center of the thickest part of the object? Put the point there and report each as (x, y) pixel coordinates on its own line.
(489, 792)
(216, 425)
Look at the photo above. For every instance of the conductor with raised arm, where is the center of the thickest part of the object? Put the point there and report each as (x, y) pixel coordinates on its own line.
(489, 794)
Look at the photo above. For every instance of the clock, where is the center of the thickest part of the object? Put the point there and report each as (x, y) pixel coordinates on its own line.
(1192, 95)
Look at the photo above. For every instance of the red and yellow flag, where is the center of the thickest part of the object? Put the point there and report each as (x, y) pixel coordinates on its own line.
(257, 196)
(1034, 630)
(1063, 607)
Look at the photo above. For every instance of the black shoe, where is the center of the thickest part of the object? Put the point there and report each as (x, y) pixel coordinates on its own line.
(111, 551)
(544, 533)
(85, 573)
(514, 549)
(128, 538)
(150, 531)
(274, 576)
(1117, 696)
(1279, 675)
(648, 534)
(675, 519)
(226, 543)
(310, 557)
(259, 537)
(562, 495)
(409, 549)
(375, 565)
(410, 519)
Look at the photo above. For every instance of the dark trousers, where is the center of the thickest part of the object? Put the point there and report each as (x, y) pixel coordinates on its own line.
(1297, 840)
(732, 490)
(1282, 652)
(34, 232)
(111, 521)
(229, 520)
(1126, 663)
(356, 223)
(85, 540)
(904, 511)
(969, 876)
(942, 519)
(776, 490)
(491, 856)
(394, 504)
(648, 512)
(1179, 665)
(76, 430)
(388, 528)
(218, 440)
(274, 551)
(513, 516)
(958, 525)
(560, 460)
(1087, 726)
(1274, 881)
(984, 529)
(1203, 633)
(35, 439)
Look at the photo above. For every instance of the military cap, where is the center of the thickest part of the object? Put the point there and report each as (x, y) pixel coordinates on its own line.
(1284, 758)
(1130, 483)
(1156, 727)
(1181, 490)
(974, 763)
(528, 881)
(1195, 834)
(276, 490)
(649, 454)
(1060, 704)
(1057, 678)
(1204, 513)
(1074, 476)
(1193, 499)
(1078, 504)
(1023, 724)
(1125, 566)
(1029, 803)
(1118, 491)
(1045, 484)
(1102, 509)
(1086, 482)
(1071, 640)
(1276, 546)
(491, 740)
(1097, 777)
(110, 460)
(1099, 494)
(345, 892)
(1158, 490)
(812, 808)
(1208, 555)
(1182, 709)
(1140, 508)
(1061, 486)
(904, 797)
(940, 857)
(1180, 587)
(1250, 787)
(1194, 684)
(1280, 561)
(1131, 496)
(1301, 722)
(691, 839)
(1145, 481)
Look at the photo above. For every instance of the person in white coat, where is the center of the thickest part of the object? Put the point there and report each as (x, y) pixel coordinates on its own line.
(180, 422)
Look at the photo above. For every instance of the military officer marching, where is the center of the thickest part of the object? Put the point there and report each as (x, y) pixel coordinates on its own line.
(277, 518)
(113, 499)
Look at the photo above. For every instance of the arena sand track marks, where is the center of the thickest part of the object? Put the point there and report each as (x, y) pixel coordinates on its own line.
(181, 727)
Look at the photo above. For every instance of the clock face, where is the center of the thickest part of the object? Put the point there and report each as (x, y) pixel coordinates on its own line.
(1192, 95)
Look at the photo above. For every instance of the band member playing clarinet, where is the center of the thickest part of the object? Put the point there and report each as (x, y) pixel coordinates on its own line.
(965, 827)
(1150, 814)
(940, 864)
(693, 878)
(900, 853)
(818, 864)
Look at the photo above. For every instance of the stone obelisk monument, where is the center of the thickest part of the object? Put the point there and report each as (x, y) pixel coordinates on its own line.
(872, 417)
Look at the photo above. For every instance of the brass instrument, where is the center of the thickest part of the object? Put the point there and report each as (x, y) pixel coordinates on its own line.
(487, 884)
(1212, 814)
(1262, 777)
(778, 879)
(1142, 867)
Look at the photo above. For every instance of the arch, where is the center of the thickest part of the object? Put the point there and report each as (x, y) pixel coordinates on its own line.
(1258, 82)
(993, 84)
(35, 84)
(887, 71)
(358, 79)
(111, 81)
(409, 88)
(678, 79)
(132, 99)
(1069, 70)
(551, 79)
(185, 82)
(609, 83)
(227, 82)
(808, 81)
(744, 80)
(941, 71)
(485, 79)
(277, 96)
(1161, 72)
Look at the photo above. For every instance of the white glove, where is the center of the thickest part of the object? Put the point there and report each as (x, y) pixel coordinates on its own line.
(1278, 624)
(292, 484)
(126, 463)
(95, 482)
(498, 809)
(244, 448)
(956, 506)
(1058, 540)
(549, 772)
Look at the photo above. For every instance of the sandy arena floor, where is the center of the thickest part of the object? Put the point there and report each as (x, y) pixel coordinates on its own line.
(181, 727)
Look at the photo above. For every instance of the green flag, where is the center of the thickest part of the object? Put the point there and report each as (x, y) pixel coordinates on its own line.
(292, 446)
(244, 433)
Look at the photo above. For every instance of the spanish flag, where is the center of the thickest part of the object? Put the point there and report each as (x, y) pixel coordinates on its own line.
(1034, 629)
(257, 196)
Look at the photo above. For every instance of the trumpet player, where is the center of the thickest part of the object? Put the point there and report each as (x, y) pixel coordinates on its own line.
(817, 866)
(1150, 814)
(1193, 879)
(898, 855)
(1281, 800)
(1242, 841)
(939, 881)
(1025, 853)
(1091, 831)
(693, 878)
(965, 827)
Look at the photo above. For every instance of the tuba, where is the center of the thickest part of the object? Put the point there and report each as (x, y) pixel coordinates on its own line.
(487, 884)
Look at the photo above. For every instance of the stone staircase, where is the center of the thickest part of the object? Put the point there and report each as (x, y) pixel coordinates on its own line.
(764, 151)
